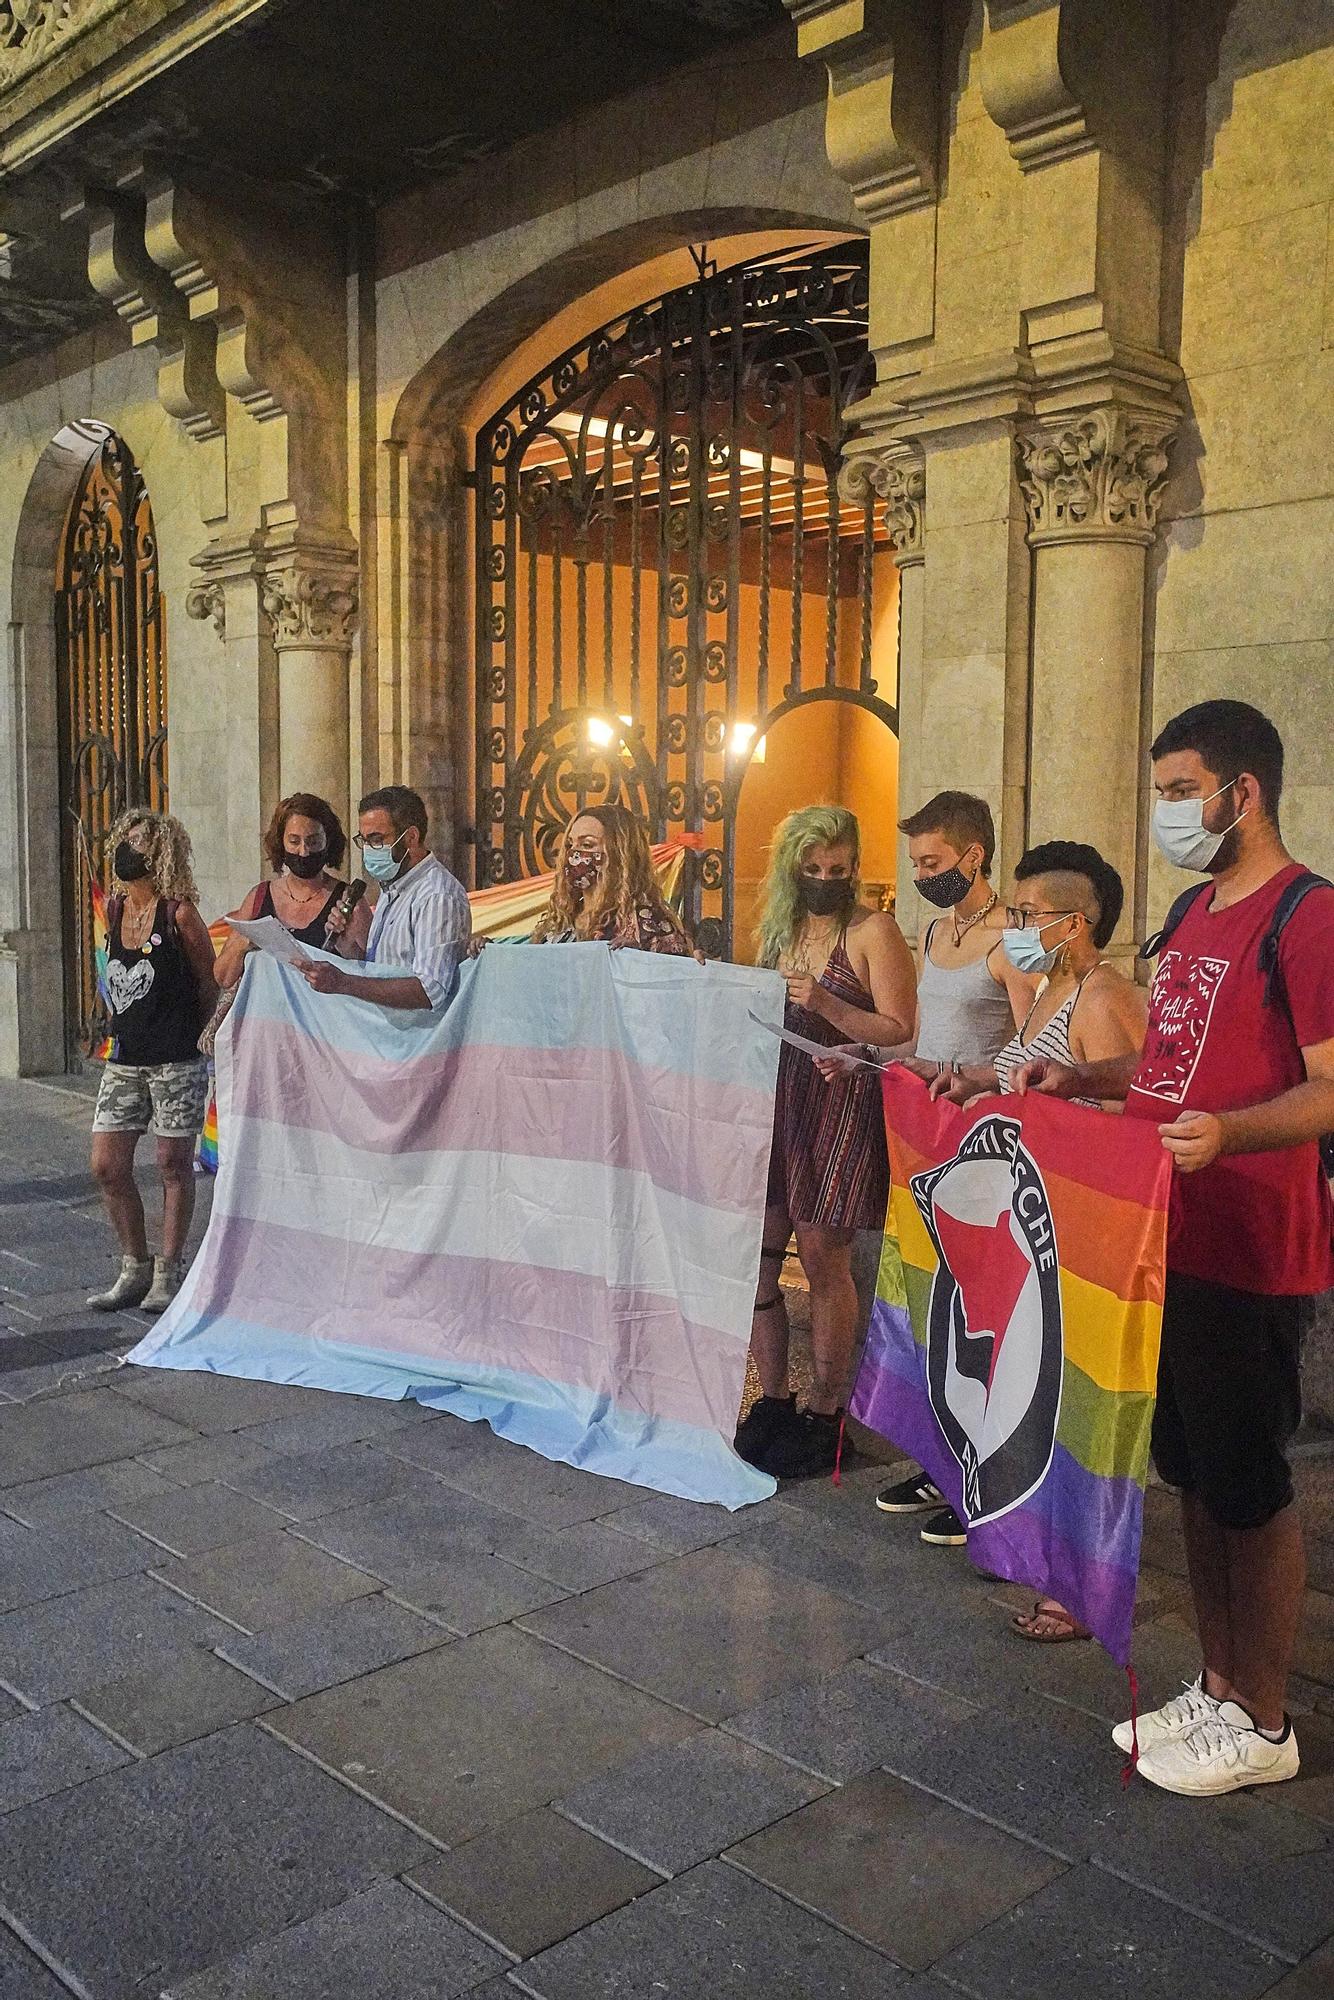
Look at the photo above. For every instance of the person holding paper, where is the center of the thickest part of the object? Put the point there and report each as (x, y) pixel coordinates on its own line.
(422, 919)
(849, 974)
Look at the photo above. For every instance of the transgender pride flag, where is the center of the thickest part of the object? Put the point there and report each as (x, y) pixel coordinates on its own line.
(541, 1207)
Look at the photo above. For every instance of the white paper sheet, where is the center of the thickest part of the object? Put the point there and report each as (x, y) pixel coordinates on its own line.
(815, 1048)
(271, 936)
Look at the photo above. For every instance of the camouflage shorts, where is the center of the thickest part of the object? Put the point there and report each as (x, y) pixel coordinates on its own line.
(170, 1096)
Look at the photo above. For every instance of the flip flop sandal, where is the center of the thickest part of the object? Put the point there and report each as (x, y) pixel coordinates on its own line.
(1068, 1629)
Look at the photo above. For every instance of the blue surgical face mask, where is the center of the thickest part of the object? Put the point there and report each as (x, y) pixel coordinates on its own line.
(1024, 948)
(1181, 834)
(379, 862)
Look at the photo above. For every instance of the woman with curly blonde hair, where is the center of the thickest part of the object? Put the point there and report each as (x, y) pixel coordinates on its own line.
(605, 889)
(849, 978)
(159, 989)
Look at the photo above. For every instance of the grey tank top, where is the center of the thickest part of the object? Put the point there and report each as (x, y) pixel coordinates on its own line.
(964, 1015)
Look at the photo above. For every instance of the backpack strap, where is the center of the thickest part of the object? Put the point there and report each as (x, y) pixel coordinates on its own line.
(1153, 946)
(1285, 909)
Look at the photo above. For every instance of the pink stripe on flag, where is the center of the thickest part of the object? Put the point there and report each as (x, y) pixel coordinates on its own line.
(565, 1327)
(693, 1137)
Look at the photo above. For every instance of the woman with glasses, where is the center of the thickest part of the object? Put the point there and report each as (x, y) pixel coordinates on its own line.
(305, 844)
(1067, 901)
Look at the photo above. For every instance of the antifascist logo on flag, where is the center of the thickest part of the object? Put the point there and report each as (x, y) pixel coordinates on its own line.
(994, 1358)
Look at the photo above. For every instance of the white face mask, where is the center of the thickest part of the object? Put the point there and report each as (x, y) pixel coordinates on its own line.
(1181, 834)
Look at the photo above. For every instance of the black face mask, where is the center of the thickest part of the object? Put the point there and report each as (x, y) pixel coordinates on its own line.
(943, 891)
(825, 897)
(305, 866)
(128, 863)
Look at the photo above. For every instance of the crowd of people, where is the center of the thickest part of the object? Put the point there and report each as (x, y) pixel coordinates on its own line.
(1230, 1052)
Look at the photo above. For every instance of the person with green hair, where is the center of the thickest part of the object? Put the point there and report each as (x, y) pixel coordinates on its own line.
(849, 977)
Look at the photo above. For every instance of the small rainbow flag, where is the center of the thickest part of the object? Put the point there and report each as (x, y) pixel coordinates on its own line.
(1013, 1345)
(103, 1046)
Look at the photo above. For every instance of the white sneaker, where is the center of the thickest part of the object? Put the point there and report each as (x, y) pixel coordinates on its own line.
(1174, 1718)
(130, 1289)
(167, 1275)
(1224, 1753)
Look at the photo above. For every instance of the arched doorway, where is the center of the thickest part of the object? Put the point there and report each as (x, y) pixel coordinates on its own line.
(111, 672)
(663, 561)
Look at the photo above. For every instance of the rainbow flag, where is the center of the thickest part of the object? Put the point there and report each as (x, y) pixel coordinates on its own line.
(1013, 1345)
(540, 1206)
(102, 1046)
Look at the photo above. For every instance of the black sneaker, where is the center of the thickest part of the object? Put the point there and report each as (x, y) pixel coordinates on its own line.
(766, 1416)
(944, 1530)
(806, 1448)
(913, 1495)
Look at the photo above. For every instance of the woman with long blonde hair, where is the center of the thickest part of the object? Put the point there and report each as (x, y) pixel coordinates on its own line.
(159, 991)
(606, 890)
(849, 978)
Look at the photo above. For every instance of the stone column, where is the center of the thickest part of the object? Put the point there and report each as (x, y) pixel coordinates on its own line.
(310, 596)
(1091, 483)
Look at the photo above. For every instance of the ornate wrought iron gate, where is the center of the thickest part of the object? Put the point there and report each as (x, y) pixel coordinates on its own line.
(664, 564)
(111, 654)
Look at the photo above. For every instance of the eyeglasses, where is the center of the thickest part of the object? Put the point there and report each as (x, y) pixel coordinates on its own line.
(304, 843)
(1019, 920)
(361, 841)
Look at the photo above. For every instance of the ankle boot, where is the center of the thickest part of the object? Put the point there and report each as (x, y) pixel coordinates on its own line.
(130, 1289)
(167, 1275)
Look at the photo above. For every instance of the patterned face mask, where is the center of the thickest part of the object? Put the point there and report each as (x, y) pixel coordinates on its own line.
(582, 871)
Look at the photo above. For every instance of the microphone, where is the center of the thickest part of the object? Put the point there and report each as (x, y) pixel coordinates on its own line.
(343, 908)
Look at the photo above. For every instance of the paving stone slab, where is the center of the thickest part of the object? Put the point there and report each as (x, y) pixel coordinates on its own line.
(533, 1881)
(712, 1932)
(865, 1855)
(1313, 1979)
(845, 1556)
(55, 1649)
(164, 1868)
(411, 1532)
(209, 1403)
(545, 1490)
(334, 1645)
(682, 1525)
(37, 1563)
(207, 1459)
(1090, 1935)
(580, 1557)
(49, 1378)
(473, 1591)
(1053, 1775)
(314, 1483)
(187, 1520)
(48, 1752)
(70, 1496)
(175, 1700)
(23, 1977)
(1312, 1790)
(849, 1721)
(711, 1632)
(335, 1419)
(461, 1739)
(270, 1580)
(684, 1803)
(70, 1432)
(386, 1944)
(957, 1639)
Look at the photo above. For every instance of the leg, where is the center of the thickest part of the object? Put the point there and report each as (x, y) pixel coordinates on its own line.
(176, 1164)
(768, 1327)
(1267, 1584)
(112, 1164)
(1208, 1568)
(826, 1258)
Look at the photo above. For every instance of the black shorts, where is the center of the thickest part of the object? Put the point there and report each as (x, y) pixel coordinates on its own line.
(1229, 1398)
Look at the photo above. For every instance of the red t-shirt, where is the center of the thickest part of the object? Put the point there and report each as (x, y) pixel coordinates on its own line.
(1258, 1221)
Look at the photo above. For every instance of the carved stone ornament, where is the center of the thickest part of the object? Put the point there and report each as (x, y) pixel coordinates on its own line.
(208, 600)
(308, 607)
(900, 481)
(31, 31)
(1097, 478)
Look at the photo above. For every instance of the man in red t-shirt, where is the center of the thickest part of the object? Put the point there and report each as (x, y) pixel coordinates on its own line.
(1242, 1091)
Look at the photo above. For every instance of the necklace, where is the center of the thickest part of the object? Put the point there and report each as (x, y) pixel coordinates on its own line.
(135, 925)
(961, 930)
(803, 953)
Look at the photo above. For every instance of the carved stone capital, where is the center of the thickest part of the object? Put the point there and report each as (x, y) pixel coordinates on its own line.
(208, 599)
(896, 475)
(310, 606)
(1095, 477)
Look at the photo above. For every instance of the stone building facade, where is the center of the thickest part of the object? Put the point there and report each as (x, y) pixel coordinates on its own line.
(294, 257)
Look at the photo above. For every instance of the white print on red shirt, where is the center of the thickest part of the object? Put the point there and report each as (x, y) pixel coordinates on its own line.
(1180, 1008)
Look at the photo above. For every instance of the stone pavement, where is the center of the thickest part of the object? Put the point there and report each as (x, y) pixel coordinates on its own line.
(304, 1695)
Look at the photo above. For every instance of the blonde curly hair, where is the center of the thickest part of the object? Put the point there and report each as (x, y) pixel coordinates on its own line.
(167, 851)
(626, 885)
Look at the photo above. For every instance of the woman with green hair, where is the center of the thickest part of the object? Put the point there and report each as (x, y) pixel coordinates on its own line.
(849, 978)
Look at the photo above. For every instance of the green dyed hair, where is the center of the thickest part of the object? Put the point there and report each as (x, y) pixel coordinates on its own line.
(794, 837)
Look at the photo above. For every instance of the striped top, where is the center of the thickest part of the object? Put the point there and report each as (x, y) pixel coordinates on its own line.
(1051, 1043)
(423, 922)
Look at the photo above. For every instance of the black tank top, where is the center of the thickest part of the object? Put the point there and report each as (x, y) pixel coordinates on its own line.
(153, 994)
(311, 933)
